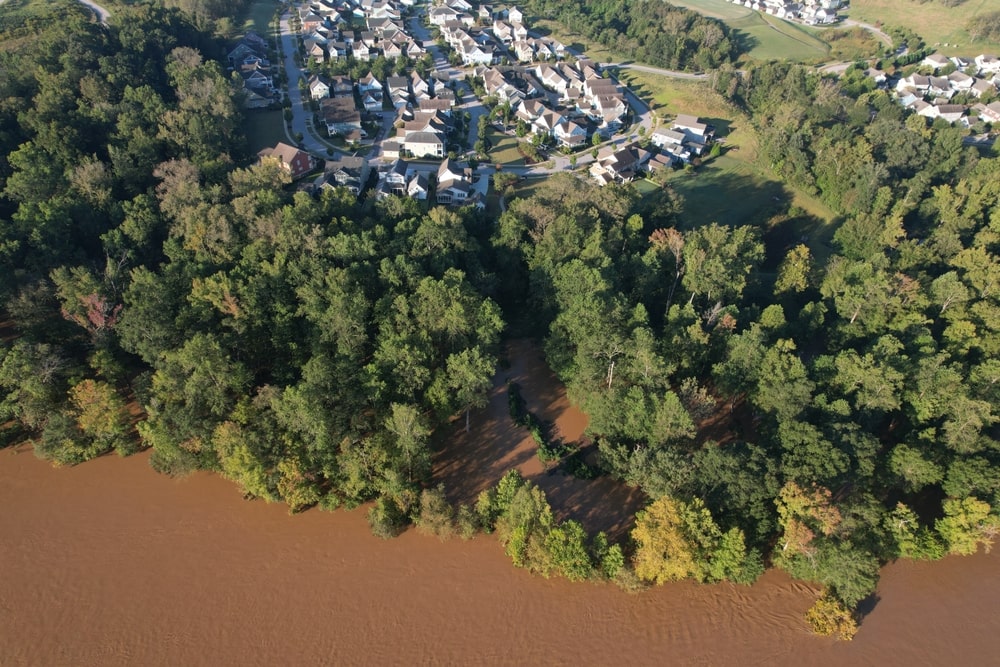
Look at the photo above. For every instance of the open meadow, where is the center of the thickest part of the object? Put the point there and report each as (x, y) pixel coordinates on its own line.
(734, 188)
(938, 24)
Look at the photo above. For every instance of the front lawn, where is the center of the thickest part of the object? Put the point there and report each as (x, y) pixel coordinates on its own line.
(264, 129)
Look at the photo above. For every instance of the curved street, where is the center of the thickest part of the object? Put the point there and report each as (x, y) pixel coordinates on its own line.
(674, 74)
(301, 114)
(870, 28)
(101, 13)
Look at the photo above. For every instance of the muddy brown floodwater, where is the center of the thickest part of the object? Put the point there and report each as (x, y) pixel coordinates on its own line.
(110, 563)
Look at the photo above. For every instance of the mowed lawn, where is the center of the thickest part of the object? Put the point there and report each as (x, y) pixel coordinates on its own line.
(936, 23)
(731, 191)
(719, 9)
(264, 129)
(504, 149)
(765, 37)
(259, 16)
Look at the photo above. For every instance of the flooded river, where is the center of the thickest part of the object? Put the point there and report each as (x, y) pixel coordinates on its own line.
(110, 563)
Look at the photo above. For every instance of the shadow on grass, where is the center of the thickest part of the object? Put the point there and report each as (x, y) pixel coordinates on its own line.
(719, 192)
(744, 41)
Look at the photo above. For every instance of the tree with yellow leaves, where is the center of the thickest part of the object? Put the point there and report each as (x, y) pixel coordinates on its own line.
(680, 540)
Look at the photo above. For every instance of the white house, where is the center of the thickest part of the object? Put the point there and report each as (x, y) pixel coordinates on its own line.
(987, 63)
(424, 144)
(570, 134)
(318, 88)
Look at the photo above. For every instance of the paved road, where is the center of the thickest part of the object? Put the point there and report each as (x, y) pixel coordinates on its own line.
(656, 70)
(447, 72)
(866, 26)
(834, 68)
(301, 113)
(101, 12)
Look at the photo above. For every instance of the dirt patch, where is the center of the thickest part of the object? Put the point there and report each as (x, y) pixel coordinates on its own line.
(469, 463)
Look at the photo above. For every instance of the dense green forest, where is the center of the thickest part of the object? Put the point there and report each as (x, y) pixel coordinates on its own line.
(160, 294)
(650, 31)
(298, 346)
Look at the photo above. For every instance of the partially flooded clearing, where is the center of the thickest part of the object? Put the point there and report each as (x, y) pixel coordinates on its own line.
(472, 462)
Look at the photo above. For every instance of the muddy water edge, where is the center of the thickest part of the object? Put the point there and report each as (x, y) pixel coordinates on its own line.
(110, 563)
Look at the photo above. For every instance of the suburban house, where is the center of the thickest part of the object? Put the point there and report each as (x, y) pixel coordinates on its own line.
(545, 124)
(949, 112)
(496, 83)
(989, 112)
(981, 87)
(418, 186)
(987, 63)
(341, 117)
(318, 88)
(440, 15)
(424, 144)
(393, 180)
(674, 144)
(570, 134)
(696, 132)
(935, 61)
(400, 180)
(341, 86)
(293, 160)
(349, 172)
(372, 100)
(420, 88)
(454, 185)
(368, 83)
(399, 90)
(436, 105)
(552, 78)
(619, 166)
(257, 81)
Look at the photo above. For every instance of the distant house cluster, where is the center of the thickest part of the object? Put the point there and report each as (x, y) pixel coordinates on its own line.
(559, 100)
(422, 128)
(328, 31)
(249, 59)
(686, 139)
(810, 12)
(456, 183)
(489, 36)
(931, 96)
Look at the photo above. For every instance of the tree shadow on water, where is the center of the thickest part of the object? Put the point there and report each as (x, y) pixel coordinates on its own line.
(867, 606)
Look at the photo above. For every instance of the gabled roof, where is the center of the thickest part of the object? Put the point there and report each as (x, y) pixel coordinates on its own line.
(692, 122)
(283, 152)
(423, 138)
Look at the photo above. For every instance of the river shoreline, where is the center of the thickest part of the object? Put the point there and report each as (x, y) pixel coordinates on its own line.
(110, 563)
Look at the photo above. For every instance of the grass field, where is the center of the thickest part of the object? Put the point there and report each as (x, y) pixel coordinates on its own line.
(504, 149)
(264, 128)
(260, 15)
(734, 188)
(718, 9)
(732, 191)
(764, 37)
(937, 24)
(573, 40)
